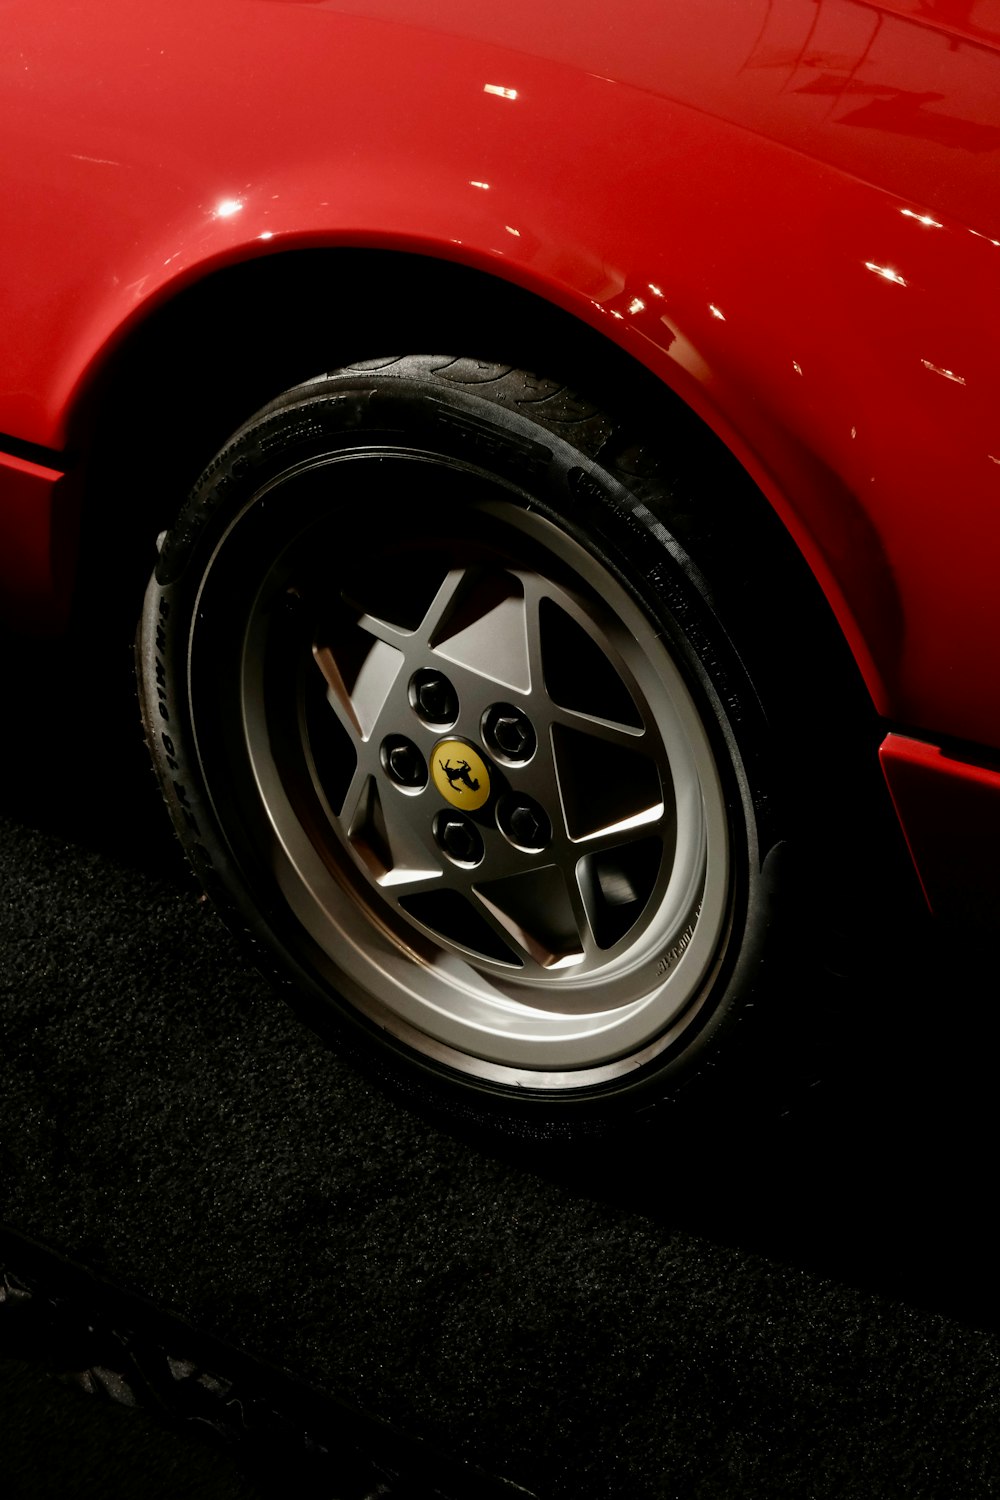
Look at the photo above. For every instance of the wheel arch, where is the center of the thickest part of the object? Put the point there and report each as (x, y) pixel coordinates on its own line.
(184, 376)
(189, 370)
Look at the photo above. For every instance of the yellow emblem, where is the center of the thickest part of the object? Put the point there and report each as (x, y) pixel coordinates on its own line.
(460, 774)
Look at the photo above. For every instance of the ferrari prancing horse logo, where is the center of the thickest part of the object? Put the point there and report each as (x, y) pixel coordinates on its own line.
(460, 774)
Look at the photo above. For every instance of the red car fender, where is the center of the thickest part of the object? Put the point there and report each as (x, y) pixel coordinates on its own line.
(839, 337)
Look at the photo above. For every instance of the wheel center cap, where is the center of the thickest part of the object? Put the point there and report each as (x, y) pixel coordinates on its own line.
(460, 774)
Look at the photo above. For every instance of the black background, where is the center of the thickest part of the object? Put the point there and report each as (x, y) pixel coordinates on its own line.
(800, 1304)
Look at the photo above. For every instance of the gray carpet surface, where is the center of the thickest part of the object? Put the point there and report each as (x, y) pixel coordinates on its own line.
(799, 1306)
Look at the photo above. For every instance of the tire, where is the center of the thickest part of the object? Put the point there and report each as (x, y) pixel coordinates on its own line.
(439, 677)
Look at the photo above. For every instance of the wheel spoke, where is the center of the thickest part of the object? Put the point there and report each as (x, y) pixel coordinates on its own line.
(616, 883)
(534, 591)
(357, 789)
(609, 871)
(606, 788)
(661, 827)
(359, 682)
(415, 857)
(601, 729)
(480, 626)
(581, 915)
(403, 880)
(382, 630)
(453, 915)
(337, 695)
(440, 605)
(535, 909)
(388, 842)
(582, 672)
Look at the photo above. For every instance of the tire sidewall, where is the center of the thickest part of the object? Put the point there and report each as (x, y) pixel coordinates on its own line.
(626, 525)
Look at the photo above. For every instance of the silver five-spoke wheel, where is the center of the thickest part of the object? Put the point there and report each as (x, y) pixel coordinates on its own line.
(439, 676)
(505, 824)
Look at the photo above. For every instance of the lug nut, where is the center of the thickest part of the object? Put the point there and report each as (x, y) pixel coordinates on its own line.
(509, 732)
(526, 826)
(459, 838)
(433, 697)
(511, 736)
(524, 822)
(404, 762)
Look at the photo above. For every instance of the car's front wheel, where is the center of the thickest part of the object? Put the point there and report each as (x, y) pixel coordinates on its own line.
(449, 716)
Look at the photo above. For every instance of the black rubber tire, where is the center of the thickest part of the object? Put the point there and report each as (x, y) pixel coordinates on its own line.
(682, 533)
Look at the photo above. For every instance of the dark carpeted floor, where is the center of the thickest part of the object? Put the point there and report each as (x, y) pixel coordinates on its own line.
(58, 1443)
(804, 1306)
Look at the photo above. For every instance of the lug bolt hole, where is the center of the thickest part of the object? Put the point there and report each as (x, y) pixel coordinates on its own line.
(524, 823)
(509, 734)
(460, 839)
(433, 698)
(403, 763)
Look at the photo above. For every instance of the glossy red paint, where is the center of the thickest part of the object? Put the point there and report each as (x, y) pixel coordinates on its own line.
(950, 811)
(39, 515)
(785, 210)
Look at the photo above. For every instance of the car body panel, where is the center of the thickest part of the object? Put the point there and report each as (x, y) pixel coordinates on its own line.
(786, 211)
(40, 509)
(949, 809)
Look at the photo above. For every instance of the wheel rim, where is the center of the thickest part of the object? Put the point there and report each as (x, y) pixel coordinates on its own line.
(493, 809)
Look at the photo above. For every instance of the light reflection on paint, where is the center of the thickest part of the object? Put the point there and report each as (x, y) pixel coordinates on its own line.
(921, 218)
(499, 91)
(886, 272)
(684, 353)
(947, 374)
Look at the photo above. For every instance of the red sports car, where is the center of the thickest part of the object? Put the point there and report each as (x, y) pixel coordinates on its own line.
(598, 522)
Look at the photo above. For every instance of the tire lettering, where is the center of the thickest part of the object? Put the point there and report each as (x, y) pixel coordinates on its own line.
(296, 432)
(584, 485)
(669, 959)
(161, 687)
(530, 457)
(169, 752)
